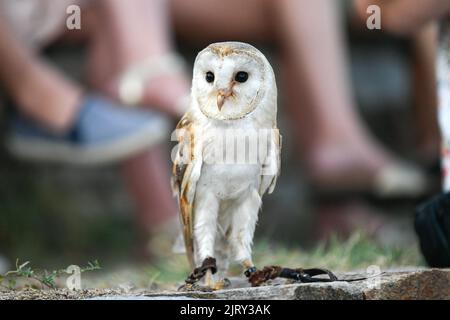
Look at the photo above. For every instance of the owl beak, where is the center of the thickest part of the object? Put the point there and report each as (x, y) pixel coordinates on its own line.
(220, 100)
(223, 95)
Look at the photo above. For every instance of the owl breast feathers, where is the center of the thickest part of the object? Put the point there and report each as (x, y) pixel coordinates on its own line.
(228, 152)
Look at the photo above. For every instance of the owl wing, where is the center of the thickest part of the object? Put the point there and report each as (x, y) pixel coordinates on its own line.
(186, 172)
(272, 165)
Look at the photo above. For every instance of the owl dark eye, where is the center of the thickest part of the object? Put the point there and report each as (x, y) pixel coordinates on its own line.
(209, 77)
(241, 76)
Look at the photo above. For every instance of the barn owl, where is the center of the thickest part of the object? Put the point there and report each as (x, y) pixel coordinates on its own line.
(232, 113)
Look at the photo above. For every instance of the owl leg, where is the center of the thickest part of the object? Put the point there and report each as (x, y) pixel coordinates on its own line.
(219, 280)
(222, 256)
(205, 230)
(242, 229)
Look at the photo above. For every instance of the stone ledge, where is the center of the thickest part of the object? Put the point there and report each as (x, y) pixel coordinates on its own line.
(398, 285)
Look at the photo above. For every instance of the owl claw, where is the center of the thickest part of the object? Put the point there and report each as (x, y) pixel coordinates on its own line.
(221, 284)
(213, 286)
(189, 287)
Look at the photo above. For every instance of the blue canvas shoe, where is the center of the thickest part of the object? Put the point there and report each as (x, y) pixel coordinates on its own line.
(102, 133)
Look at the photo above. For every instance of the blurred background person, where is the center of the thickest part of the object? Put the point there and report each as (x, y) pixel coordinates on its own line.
(409, 17)
(56, 119)
(422, 15)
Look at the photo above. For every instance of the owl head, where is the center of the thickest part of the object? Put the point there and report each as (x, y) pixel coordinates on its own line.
(230, 79)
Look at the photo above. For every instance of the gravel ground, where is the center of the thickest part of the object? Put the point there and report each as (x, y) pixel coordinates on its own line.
(58, 294)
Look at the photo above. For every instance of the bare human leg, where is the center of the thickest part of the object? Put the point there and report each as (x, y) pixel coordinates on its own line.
(47, 96)
(337, 144)
(123, 35)
(424, 53)
(39, 90)
(147, 178)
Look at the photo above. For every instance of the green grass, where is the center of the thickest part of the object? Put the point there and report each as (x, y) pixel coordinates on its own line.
(357, 252)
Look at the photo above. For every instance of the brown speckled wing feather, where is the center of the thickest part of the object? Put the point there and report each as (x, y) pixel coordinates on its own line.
(184, 180)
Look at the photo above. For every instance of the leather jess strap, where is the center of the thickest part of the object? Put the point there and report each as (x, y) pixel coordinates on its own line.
(300, 275)
(198, 273)
(257, 277)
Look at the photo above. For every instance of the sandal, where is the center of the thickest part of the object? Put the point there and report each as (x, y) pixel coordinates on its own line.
(400, 179)
(131, 85)
(397, 180)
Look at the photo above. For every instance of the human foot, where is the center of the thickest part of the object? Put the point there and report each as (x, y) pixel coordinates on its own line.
(348, 168)
(167, 93)
(156, 81)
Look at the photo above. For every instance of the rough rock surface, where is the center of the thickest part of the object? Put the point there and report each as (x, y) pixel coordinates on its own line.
(417, 284)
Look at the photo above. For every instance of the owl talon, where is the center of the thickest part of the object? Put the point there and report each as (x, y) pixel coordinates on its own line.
(212, 286)
(185, 287)
(189, 287)
(221, 284)
(226, 282)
